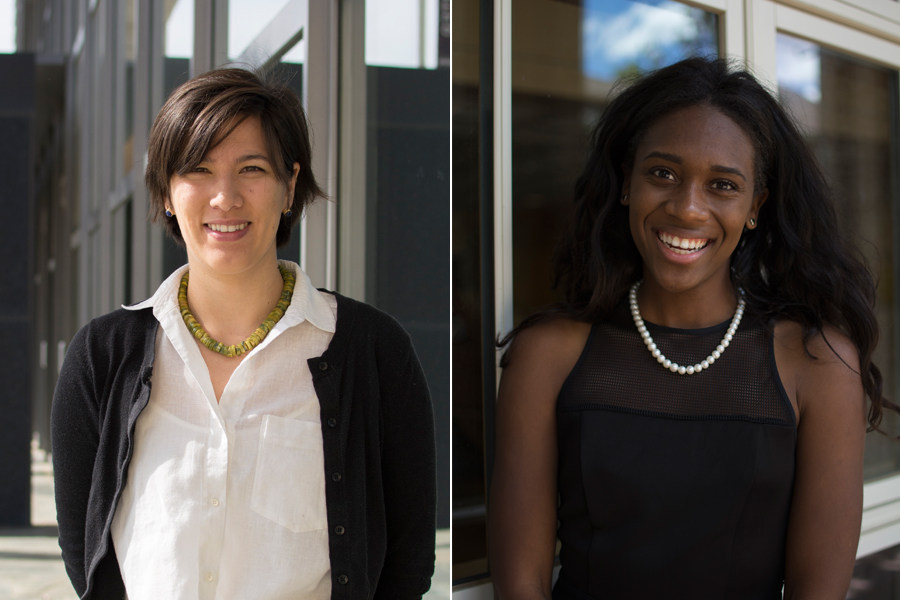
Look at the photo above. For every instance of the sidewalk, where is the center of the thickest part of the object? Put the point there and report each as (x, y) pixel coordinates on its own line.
(31, 567)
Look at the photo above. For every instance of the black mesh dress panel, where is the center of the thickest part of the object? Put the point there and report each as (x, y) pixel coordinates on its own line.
(673, 486)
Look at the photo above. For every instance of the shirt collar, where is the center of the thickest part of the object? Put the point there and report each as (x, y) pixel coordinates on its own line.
(307, 303)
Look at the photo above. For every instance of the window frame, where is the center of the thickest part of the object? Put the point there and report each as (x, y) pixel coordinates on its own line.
(868, 29)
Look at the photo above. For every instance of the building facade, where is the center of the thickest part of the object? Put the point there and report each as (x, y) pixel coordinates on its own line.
(531, 77)
(374, 79)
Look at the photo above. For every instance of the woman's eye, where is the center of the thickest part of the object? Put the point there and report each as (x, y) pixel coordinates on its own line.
(725, 185)
(664, 173)
(252, 168)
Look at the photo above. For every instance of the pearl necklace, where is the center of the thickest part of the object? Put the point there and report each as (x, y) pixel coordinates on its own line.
(660, 357)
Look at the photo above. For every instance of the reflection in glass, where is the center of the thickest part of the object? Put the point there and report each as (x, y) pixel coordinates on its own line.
(179, 44)
(402, 33)
(128, 42)
(876, 577)
(566, 58)
(247, 19)
(179, 49)
(469, 534)
(844, 106)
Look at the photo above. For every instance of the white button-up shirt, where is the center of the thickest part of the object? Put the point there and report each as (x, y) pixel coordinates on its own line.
(227, 499)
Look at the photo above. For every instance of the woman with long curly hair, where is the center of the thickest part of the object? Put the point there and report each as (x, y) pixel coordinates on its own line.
(689, 421)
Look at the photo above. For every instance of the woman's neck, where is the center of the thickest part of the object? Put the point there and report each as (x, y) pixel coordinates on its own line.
(231, 307)
(702, 306)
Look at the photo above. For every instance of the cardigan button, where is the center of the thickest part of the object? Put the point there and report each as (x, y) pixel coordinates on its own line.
(339, 530)
(335, 476)
(343, 579)
(332, 422)
(323, 366)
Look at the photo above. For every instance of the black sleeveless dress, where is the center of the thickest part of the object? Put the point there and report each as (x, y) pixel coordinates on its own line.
(673, 486)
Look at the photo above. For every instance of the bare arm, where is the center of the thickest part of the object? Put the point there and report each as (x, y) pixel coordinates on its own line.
(522, 517)
(826, 511)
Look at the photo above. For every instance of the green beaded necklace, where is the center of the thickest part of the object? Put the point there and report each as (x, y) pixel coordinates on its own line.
(256, 337)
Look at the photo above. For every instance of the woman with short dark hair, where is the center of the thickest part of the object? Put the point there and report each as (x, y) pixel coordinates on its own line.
(241, 434)
(690, 420)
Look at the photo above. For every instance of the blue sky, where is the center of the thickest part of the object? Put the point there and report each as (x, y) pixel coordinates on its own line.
(650, 33)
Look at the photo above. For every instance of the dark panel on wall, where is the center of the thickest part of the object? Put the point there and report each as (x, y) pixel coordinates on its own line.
(409, 227)
(17, 97)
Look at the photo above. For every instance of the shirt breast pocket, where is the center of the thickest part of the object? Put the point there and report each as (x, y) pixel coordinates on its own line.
(289, 483)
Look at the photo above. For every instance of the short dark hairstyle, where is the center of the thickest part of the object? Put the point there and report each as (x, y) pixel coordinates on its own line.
(202, 112)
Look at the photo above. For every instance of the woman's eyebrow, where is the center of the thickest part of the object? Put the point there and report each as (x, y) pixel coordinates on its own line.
(244, 158)
(665, 156)
(677, 160)
(731, 170)
(247, 157)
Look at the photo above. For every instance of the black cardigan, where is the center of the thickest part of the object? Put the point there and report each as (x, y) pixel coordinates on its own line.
(378, 440)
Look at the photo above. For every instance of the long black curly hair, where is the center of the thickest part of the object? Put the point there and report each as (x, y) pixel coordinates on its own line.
(796, 264)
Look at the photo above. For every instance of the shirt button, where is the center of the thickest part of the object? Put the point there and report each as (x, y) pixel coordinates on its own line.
(339, 530)
(214, 502)
(323, 366)
(343, 579)
(336, 477)
(209, 576)
(332, 422)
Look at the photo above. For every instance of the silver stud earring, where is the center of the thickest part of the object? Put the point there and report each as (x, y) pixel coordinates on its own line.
(752, 222)
(625, 199)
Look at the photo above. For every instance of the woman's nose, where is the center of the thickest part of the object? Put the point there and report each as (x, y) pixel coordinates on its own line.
(688, 203)
(227, 194)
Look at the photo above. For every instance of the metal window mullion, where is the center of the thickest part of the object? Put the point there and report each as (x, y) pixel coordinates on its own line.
(759, 21)
(155, 61)
(732, 30)
(202, 55)
(143, 30)
(352, 200)
(318, 226)
(844, 39)
(486, 231)
(103, 144)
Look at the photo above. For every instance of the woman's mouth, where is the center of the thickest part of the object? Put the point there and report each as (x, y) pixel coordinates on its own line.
(226, 228)
(683, 246)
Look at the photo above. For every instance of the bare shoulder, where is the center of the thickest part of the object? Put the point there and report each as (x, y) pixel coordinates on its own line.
(539, 361)
(550, 345)
(820, 372)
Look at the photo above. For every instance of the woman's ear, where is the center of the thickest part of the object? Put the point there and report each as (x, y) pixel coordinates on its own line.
(292, 185)
(758, 201)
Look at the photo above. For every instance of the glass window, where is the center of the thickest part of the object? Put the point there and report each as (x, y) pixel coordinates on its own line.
(402, 33)
(247, 19)
(179, 44)
(844, 106)
(7, 26)
(876, 577)
(179, 49)
(469, 534)
(128, 50)
(559, 92)
(407, 190)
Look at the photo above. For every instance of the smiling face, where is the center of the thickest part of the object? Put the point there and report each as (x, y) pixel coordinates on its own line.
(690, 193)
(229, 206)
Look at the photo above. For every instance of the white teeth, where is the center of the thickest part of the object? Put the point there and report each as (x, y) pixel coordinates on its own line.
(226, 228)
(682, 245)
